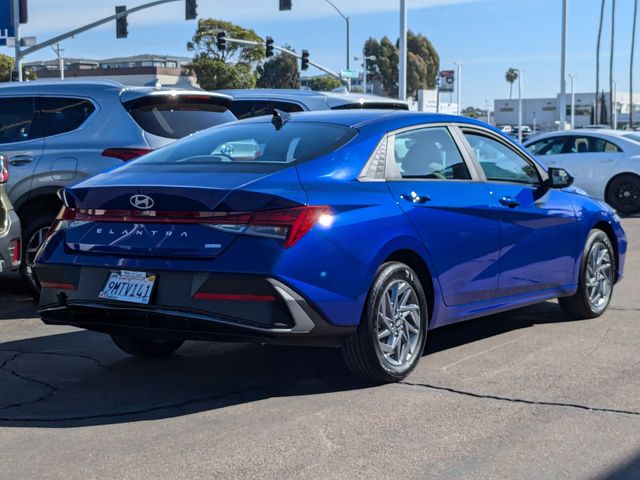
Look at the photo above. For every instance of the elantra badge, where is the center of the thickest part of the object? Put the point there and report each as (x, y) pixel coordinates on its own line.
(141, 202)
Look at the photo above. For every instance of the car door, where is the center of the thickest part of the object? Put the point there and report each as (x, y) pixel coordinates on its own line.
(21, 142)
(537, 224)
(437, 188)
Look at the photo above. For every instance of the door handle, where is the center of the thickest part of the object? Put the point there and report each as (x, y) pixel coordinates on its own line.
(413, 197)
(509, 202)
(20, 160)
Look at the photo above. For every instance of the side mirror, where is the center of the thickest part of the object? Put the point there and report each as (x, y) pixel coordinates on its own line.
(559, 178)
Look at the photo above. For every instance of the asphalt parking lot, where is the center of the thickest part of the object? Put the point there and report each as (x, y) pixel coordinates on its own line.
(526, 395)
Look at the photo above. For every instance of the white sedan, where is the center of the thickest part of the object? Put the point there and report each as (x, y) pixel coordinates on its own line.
(604, 163)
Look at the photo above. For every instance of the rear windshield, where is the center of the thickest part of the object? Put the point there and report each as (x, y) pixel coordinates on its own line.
(252, 145)
(176, 117)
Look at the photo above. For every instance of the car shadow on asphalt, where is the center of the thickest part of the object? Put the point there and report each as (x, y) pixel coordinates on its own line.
(80, 378)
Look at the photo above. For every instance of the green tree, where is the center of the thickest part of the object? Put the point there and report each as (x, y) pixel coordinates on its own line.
(228, 68)
(324, 83)
(6, 66)
(280, 71)
(423, 63)
(511, 76)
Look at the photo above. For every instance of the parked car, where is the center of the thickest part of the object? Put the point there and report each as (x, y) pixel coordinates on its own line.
(604, 163)
(358, 229)
(10, 232)
(57, 133)
(256, 102)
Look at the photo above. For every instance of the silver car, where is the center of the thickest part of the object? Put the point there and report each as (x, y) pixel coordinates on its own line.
(10, 232)
(55, 133)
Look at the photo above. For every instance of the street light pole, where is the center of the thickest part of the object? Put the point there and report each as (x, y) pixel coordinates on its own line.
(18, 38)
(458, 85)
(573, 102)
(402, 61)
(614, 104)
(346, 19)
(563, 68)
(520, 72)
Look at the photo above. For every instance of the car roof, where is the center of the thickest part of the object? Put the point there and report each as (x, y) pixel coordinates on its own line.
(332, 99)
(88, 87)
(607, 134)
(358, 118)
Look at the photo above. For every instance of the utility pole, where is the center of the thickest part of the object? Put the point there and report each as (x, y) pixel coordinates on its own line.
(573, 102)
(402, 62)
(58, 52)
(563, 70)
(458, 85)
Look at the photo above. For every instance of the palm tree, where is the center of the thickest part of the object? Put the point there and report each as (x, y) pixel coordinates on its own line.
(613, 34)
(633, 46)
(511, 76)
(597, 103)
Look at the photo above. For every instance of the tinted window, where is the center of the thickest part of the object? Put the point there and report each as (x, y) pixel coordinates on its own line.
(176, 117)
(60, 115)
(18, 121)
(252, 144)
(548, 146)
(429, 153)
(499, 162)
(587, 144)
(255, 108)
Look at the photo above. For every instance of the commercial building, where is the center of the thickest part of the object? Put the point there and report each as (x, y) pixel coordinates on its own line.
(138, 70)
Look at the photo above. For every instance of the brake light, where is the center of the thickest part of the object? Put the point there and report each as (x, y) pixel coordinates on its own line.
(125, 154)
(290, 224)
(4, 169)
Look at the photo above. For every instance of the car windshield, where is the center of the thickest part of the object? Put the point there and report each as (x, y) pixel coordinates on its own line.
(251, 145)
(632, 136)
(176, 117)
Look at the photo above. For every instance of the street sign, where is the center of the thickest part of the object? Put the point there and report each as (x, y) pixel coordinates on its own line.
(447, 80)
(7, 29)
(349, 73)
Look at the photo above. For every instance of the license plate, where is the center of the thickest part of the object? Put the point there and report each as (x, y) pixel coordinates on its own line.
(127, 286)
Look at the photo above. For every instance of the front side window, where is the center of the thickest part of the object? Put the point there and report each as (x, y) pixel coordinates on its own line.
(499, 162)
(18, 120)
(61, 115)
(548, 146)
(429, 153)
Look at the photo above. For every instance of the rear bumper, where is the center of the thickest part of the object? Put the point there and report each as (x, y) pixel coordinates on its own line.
(10, 240)
(70, 297)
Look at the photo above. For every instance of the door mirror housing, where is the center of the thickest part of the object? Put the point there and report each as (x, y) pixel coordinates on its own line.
(559, 178)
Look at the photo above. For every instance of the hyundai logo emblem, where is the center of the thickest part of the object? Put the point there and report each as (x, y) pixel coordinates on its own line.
(141, 202)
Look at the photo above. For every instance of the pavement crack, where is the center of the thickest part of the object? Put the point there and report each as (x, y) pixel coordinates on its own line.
(60, 354)
(521, 400)
(51, 388)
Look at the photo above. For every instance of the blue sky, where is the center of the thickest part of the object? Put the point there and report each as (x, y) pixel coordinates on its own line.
(487, 36)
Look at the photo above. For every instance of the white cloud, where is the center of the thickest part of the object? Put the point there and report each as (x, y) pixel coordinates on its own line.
(56, 16)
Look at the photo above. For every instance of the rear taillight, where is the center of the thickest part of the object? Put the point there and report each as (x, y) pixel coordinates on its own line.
(4, 169)
(289, 224)
(125, 154)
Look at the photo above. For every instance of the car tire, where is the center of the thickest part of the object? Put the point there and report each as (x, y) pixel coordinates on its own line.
(33, 234)
(142, 347)
(623, 193)
(596, 279)
(403, 323)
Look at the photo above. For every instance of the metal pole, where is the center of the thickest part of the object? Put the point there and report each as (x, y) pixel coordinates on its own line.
(486, 103)
(520, 106)
(402, 63)
(438, 96)
(459, 86)
(614, 104)
(347, 20)
(563, 70)
(18, 53)
(573, 102)
(364, 71)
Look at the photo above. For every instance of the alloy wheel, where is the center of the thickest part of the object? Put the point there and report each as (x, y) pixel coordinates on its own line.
(599, 276)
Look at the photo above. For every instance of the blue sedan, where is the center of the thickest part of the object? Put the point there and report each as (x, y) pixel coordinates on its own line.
(356, 229)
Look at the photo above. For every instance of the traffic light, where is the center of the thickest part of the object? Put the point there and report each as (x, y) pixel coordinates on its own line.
(269, 47)
(190, 10)
(122, 23)
(285, 5)
(24, 16)
(221, 40)
(305, 60)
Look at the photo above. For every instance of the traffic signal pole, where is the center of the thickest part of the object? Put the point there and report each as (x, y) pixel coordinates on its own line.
(20, 54)
(16, 22)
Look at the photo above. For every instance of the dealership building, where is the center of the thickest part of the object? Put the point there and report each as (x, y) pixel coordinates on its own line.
(542, 113)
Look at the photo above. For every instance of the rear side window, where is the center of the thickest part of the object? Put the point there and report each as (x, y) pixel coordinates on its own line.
(255, 108)
(61, 115)
(251, 147)
(18, 120)
(177, 116)
(591, 145)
